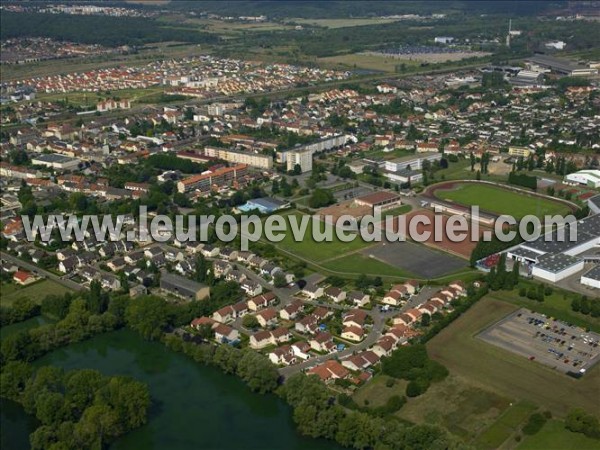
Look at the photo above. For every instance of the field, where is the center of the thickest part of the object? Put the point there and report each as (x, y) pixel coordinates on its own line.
(376, 393)
(341, 23)
(457, 405)
(350, 61)
(358, 263)
(554, 435)
(309, 249)
(509, 375)
(507, 425)
(433, 58)
(36, 291)
(498, 200)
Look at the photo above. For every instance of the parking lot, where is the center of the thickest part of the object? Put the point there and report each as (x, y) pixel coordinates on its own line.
(564, 347)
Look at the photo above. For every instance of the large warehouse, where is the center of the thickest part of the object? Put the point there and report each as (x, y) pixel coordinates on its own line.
(553, 260)
(592, 278)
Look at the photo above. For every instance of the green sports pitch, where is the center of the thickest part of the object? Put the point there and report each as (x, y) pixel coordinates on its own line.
(498, 200)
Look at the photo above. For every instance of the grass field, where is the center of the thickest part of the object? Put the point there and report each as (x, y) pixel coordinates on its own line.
(554, 435)
(362, 61)
(457, 405)
(358, 263)
(505, 373)
(554, 305)
(377, 393)
(394, 212)
(501, 201)
(36, 291)
(309, 249)
(507, 425)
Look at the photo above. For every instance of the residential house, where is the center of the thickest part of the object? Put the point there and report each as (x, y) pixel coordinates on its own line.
(353, 333)
(267, 317)
(354, 318)
(323, 342)
(312, 291)
(361, 361)
(291, 311)
(329, 371)
(261, 301)
(301, 349)
(226, 334)
(358, 298)
(335, 294)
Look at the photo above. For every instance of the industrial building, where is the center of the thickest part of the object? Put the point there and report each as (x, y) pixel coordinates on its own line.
(55, 161)
(552, 259)
(590, 178)
(560, 66)
(592, 278)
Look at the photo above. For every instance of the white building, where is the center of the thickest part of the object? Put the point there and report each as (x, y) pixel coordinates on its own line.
(589, 178)
(302, 157)
(592, 278)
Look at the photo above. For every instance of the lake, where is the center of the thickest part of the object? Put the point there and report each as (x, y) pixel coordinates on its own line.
(193, 406)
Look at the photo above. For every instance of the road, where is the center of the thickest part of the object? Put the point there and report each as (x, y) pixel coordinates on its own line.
(49, 275)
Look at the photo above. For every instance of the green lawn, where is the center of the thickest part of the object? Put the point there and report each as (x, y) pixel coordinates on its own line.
(557, 305)
(554, 435)
(37, 291)
(508, 423)
(501, 201)
(359, 263)
(503, 372)
(309, 249)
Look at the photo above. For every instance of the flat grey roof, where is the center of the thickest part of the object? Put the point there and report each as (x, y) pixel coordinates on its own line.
(556, 262)
(52, 158)
(587, 229)
(593, 273)
(185, 283)
(558, 63)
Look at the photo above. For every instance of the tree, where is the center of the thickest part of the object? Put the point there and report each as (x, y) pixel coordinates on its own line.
(201, 268)
(258, 372)
(250, 321)
(148, 315)
(425, 320)
(321, 198)
(279, 280)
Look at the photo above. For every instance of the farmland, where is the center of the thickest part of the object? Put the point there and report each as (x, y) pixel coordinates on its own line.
(507, 374)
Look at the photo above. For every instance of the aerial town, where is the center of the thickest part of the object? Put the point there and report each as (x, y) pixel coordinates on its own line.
(173, 112)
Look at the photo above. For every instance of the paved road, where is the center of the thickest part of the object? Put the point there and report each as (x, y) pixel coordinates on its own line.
(49, 275)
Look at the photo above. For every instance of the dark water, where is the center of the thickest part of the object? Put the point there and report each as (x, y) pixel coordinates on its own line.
(194, 407)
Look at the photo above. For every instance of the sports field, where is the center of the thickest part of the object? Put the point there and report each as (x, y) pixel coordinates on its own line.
(505, 373)
(379, 63)
(312, 250)
(498, 200)
(358, 263)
